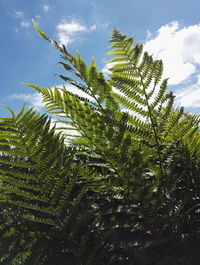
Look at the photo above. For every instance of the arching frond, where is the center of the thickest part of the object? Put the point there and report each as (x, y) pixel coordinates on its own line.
(123, 189)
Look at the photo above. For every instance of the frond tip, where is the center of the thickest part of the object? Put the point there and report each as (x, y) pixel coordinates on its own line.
(42, 34)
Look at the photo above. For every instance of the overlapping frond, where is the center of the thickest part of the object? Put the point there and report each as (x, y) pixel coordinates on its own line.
(38, 184)
(119, 183)
(141, 91)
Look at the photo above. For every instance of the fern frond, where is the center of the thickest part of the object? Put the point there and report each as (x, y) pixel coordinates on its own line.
(34, 177)
(121, 190)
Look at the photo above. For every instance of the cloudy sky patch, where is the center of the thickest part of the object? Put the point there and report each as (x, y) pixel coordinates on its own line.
(32, 99)
(46, 8)
(18, 14)
(25, 24)
(169, 31)
(70, 30)
(179, 49)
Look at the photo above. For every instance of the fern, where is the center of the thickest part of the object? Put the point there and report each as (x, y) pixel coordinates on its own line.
(123, 190)
(36, 184)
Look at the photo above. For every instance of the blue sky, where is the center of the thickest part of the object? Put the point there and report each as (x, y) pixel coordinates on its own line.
(168, 29)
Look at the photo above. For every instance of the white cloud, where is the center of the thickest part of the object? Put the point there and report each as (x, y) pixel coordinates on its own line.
(46, 8)
(25, 24)
(16, 30)
(68, 30)
(106, 68)
(77, 91)
(37, 16)
(189, 96)
(71, 27)
(179, 48)
(93, 27)
(34, 99)
(149, 34)
(64, 38)
(18, 14)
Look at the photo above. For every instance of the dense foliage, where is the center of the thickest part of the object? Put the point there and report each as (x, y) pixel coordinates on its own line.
(125, 189)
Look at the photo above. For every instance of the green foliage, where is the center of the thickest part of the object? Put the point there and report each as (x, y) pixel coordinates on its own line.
(124, 189)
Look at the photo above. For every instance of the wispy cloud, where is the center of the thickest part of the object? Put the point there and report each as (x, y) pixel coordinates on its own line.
(189, 96)
(37, 16)
(25, 24)
(33, 99)
(68, 31)
(106, 68)
(71, 27)
(179, 49)
(16, 30)
(17, 14)
(46, 8)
